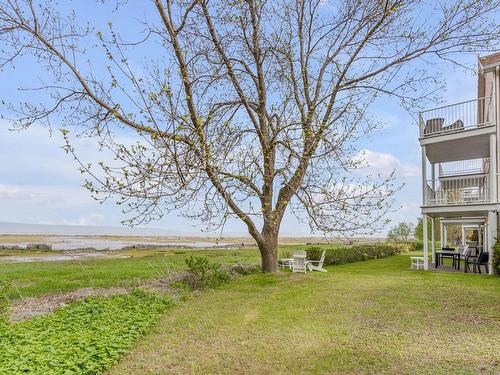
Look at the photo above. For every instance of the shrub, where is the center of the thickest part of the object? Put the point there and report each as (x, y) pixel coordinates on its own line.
(285, 254)
(496, 259)
(203, 274)
(355, 253)
(244, 269)
(314, 252)
(417, 245)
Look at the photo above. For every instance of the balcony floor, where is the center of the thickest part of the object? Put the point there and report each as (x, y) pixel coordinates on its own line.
(467, 210)
(470, 144)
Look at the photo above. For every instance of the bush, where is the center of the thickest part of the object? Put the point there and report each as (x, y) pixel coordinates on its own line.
(203, 274)
(285, 254)
(314, 252)
(355, 253)
(416, 245)
(244, 269)
(496, 259)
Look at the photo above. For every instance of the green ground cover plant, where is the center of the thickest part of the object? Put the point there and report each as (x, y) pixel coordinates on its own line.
(86, 337)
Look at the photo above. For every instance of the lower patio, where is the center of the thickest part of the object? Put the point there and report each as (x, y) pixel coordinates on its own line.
(465, 242)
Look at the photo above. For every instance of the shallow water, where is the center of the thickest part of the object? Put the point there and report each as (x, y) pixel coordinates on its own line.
(75, 243)
(52, 258)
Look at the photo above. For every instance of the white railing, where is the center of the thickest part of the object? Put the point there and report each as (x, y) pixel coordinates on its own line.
(458, 117)
(457, 190)
(464, 167)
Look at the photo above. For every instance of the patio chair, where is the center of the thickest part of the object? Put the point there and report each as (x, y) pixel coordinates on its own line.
(465, 252)
(319, 264)
(299, 262)
(481, 260)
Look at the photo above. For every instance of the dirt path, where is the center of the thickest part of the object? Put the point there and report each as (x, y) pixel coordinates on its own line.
(27, 308)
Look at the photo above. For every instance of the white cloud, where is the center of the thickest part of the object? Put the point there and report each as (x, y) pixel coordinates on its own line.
(92, 219)
(16, 193)
(385, 163)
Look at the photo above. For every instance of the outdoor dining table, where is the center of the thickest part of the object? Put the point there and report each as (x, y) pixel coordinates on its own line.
(286, 263)
(448, 254)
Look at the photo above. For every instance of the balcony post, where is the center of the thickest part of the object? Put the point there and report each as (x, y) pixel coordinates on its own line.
(493, 168)
(441, 235)
(424, 175)
(433, 178)
(426, 242)
(445, 235)
(433, 240)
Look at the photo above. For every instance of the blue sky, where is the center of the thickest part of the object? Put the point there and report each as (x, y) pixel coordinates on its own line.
(40, 184)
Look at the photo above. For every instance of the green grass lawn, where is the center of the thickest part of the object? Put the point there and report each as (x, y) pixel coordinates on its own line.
(368, 317)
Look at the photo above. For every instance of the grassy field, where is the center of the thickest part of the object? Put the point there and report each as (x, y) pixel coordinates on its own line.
(368, 317)
(38, 278)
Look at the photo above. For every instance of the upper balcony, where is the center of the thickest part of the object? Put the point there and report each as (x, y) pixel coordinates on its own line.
(458, 131)
(458, 118)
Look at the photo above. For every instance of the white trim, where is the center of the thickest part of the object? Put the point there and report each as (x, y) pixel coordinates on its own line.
(466, 133)
(460, 208)
(465, 221)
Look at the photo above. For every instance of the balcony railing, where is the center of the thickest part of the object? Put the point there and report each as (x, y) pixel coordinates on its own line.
(464, 167)
(457, 191)
(458, 117)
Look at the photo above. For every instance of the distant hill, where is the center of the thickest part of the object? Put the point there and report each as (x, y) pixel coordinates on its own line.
(19, 228)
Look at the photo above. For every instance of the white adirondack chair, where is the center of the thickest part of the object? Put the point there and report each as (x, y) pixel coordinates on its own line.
(317, 265)
(299, 262)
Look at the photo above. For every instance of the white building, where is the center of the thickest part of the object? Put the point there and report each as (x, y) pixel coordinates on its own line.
(461, 164)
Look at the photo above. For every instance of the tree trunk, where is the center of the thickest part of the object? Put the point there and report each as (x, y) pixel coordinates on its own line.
(269, 252)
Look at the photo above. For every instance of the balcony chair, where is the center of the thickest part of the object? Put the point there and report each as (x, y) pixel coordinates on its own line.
(433, 125)
(457, 125)
(477, 262)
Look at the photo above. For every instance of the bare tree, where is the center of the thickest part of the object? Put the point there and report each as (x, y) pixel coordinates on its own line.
(245, 108)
